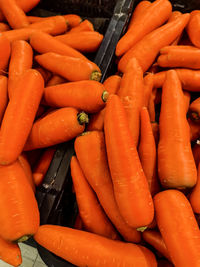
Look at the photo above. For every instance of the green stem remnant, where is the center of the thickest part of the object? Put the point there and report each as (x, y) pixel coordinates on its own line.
(82, 118)
(95, 76)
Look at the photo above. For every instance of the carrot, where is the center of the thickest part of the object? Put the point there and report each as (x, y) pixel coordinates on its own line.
(19, 115)
(100, 180)
(194, 130)
(19, 216)
(187, 98)
(86, 42)
(111, 84)
(41, 167)
(56, 127)
(174, 148)
(4, 27)
(55, 80)
(148, 87)
(130, 184)
(47, 75)
(155, 129)
(193, 27)
(87, 95)
(152, 18)
(147, 152)
(5, 48)
(194, 196)
(3, 95)
(186, 238)
(91, 213)
(179, 56)
(71, 68)
(15, 16)
(131, 92)
(155, 239)
(151, 105)
(175, 15)
(27, 169)
(85, 25)
(44, 43)
(10, 253)
(146, 50)
(196, 152)
(194, 110)
(21, 60)
(97, 250)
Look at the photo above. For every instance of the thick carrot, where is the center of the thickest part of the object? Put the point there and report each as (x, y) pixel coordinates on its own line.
(193, 28)
(97, 250)
(71, 68)
(146, 50)
(5, 48)
(43, 43)
(19, 115)
(147, 152)
(21, 60)
(55, 79)
(148, 87)
(3, 95)
(19, 216)
(130, 184)
(14, 15)
(10, 253)
(42, 165)
(91, 213)
(194, 110)
(56, 127)
(183, 244)
(100, 180)
(131, 92)
(4, 27)
(194, 130)
(85, 25)
(196, 152)
(86, 42)
(174, 148)
(194, 196)
(87, 95)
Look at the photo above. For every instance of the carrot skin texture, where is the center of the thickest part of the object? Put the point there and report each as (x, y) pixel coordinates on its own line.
(148, 87)
(114, 253)
(5, 55)
(187, 235)
(85, 25)
(3, 94)
(193, 28)
(54, 80)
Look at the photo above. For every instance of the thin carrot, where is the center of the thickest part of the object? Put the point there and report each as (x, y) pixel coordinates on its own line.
(186, 238)
(155, 129)
(21, 60)
(55, 80)
(174, 148)
(4, 27)
(91, 213)
(193, 27)
(56, 127)
(194, 130)
(194, 110)
(148, 87)
(196, 152)
(152, 18)
(5, 48)
(147, 152)
(19, 216)
(3, 94)
(87, 95)
(151, 105)
(19, 115)
(146, 50)
(100, 180)
(71, 68)
(85, 25)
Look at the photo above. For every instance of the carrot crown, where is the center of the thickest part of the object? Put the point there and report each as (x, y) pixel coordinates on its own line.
(82, 118)
(96, 76)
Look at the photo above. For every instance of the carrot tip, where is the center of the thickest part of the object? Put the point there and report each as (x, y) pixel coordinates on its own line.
(96, 76)
(82, 118)
(142, 229)
(105, 96)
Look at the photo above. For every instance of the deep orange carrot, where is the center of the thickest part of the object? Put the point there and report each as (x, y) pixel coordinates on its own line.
(5, 48)
(19, 115)
(193, 28)
(91, 213)
(194, 196)
(85, 25)
(100, 180)
(175, 15)
(71, 68)
(174, 148)
(194, 110)
(146, 50)
(19, 216)
(21, 60)
(196, 152)
(148, 87)
(60, 240)
(3, 95)
(56, 127)
(4, 27)
(186, 238)
(194, 130)
(55, 79)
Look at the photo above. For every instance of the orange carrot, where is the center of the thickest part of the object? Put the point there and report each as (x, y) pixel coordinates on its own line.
(21, 60)
(194, 110)
(151, 105)
(91, 213)
(196, 152)
(148, 87)
(45, 74)
(130, 184)
(85, 25)
(55, 80)
(19, 216)
(175, 15)
(194, 130)
(19, 115)
(87, 95)
(5, 48)
(3, 94)
(187, 98)
(186, 238)
(56, 127)
(73, 20)
(193, 28)
(194, 196)
(71, 68)
(4, 27)
(146, 50)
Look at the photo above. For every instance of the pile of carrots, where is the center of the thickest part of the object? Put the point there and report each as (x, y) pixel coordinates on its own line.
(136, 168)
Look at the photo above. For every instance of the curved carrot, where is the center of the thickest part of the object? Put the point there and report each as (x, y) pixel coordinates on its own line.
(146, 50)
(130, 184)
(5, 48)
(19, 216)
(153, 17)
(10, 253)
(194, 110)
(55, 80)
(56, 127)
(85, 25)
(4, 27)
(193, 27)
(21, 60)
(147, 152)
(60, 240)
(194, 130)
(174, 138)
(92, 215)
(196, 152)
(186, 238)
(87, 95)
(194, 196)
(71, 68)
(148, 87)
(19, 115)
(3, 95)
(86, 42)
(100, 180)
